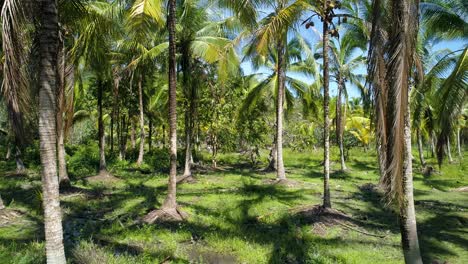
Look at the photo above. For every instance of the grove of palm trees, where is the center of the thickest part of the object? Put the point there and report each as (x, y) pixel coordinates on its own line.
(234, 131)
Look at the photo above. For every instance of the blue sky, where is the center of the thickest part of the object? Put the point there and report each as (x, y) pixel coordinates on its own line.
(313, 37)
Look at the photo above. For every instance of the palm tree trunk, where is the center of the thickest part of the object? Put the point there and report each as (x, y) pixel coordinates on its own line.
(63, 174)
(123, 137)
(2, 206)
(48, 50)
(19, 162)
(326, 132)
(272, 164)
(449, 151)
(133, 133)
(433, 146)
(170, 201)
(460, 155)
(407, 216)
(150, 135)
(142, 123)
(280, 173)
(102, 139)
(62, 164)
(420, 148)
(339, 123)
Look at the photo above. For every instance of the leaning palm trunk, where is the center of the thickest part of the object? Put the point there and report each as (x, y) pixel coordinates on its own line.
(142, 124)
(339, 123)
(280, 173)
(326, 127)
(420, 148)
(170, 202)
(48, 47)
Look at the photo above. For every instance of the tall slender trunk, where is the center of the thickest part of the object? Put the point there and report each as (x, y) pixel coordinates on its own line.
(48, 50)
(326, 129)
(61, 101)
(272, 164)
(460, 155)
(420, 148)
(133, 133)
(115, 113)
(280, 173)
(63, 174)
(8, 153)
(339, 122)
(150, 135)
(102, 138)
(123, 137)
(2, 206)
(433, 146)
(188, 87)
(111, 136)
(19, 162)
(407, 215)
(164, 136)
(449, 151)
(170, 201)
(142, 123)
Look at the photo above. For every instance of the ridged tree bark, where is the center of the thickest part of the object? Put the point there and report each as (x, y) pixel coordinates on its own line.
(48, 51)
(339, 122)
(280, 173)
(170, 202)
(326, 126)
(142, 123)
(102, 136)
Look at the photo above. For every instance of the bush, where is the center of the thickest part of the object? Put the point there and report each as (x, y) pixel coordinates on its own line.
(84, 161)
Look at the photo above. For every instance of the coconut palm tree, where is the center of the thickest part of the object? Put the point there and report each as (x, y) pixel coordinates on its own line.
(272, 33)
(343, 66)
(325, 10)
(48, 47)
(389, 71)
(98, 30)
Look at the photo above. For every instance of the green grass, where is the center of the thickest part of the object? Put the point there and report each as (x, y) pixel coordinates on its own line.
(224, 207)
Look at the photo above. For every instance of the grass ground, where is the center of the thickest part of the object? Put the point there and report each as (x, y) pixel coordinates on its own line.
(236, 218)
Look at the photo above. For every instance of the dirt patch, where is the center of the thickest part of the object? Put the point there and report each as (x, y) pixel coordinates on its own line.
(322, 219)
(285, 182)
(104, 177)
(165, 215)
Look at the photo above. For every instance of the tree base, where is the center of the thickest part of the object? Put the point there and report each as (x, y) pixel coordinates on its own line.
(165, 215)
(103, 176)
(186, 179)
(282, 182)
